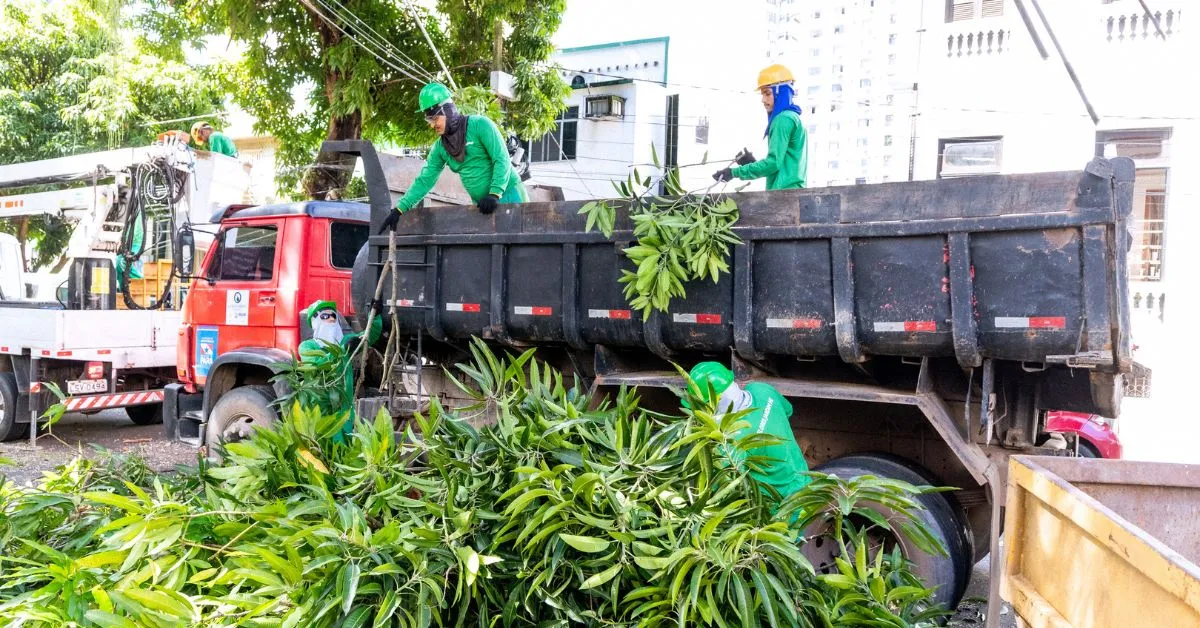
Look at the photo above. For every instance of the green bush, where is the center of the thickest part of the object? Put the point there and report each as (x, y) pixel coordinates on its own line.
(567, 510)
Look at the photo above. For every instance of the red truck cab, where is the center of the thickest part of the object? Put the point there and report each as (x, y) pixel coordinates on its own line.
(242, 314)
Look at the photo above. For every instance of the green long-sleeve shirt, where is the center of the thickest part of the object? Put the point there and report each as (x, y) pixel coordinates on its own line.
(786, 470)
(786, 164)
(486, 168)
(218, 142)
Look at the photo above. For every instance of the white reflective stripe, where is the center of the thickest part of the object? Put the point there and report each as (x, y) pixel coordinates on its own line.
(523, 310)
(91, 401)
(157, 395)
(684, 318)
(1011, 322)
(124, 399)
(779, 323)
(402, 303)
(454, 307)
(889, 326)
(597, 313)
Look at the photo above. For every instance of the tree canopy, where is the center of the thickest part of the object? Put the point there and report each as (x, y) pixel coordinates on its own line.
(361, 64)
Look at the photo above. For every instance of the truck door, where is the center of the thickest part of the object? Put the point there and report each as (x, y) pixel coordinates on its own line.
(233, 307)
(335, 243)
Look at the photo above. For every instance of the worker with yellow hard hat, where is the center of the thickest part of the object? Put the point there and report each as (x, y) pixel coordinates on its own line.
(786, 163)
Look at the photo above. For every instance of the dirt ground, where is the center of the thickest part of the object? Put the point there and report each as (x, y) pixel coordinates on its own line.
(76, 433)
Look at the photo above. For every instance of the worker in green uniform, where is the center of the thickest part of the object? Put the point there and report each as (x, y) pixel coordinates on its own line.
(471, 146)
(327, 330)
(785, 469)
(786, 164)
(210, 139)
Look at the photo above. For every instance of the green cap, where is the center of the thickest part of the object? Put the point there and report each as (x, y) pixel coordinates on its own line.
(709, 374)
(316, 307)
(432, 95)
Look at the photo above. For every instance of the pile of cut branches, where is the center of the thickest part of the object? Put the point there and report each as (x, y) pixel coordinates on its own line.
(567, 510)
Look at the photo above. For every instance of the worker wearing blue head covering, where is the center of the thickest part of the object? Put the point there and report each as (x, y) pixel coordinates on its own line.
(786, 164)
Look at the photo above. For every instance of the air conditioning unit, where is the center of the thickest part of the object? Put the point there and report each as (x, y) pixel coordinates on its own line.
(605, 108)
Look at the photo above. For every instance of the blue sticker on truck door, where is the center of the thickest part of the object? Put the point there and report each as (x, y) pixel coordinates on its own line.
(206, 349)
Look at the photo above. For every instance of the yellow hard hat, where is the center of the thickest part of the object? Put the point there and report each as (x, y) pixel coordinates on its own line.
(199, 124)
(773, 75)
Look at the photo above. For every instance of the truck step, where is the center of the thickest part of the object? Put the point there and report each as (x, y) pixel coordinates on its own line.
(191, 428)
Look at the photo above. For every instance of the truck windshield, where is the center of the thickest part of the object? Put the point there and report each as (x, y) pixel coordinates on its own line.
(245, 254)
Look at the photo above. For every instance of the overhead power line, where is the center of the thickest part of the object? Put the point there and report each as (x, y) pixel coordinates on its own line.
(370, 34)
(347, 35)
(417, 18)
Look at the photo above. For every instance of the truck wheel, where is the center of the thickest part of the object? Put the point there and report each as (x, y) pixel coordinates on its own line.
(151, 414)
(238, 413)
(9, 430)
(949, 574)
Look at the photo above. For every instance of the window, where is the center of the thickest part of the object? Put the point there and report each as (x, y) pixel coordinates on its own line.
(1148, 225)
(893, 18)
(887, 140)
(887, 161)
(864, 83)
(837, 30)
(834, 146)
(887, 120)
(864, 123)
(968, 156)
(892, 59)
(815, 34)
(816, 15)
(835, 126)
(839, 68)
(862, 142)
(1150, 151)
(559, 144)
(889, 99)
(860, 181)
(812, 91)
(345, 239)
(245, 254)
(814, 71)
(833, 165)
(702, 130)
(892, 38)
(837, 87)
(962, 10)
(816, 52)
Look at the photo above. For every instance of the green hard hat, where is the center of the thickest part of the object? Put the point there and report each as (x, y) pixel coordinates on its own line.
(710, 374)
(432, 95)
(316, 307)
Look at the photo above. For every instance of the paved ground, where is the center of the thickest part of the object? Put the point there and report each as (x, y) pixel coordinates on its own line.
(110, 429)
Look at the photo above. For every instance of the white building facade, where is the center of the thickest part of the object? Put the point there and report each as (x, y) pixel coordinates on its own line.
(854, 63)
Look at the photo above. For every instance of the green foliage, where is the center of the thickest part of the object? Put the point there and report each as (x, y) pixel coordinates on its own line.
(567, 510)
(293, 48)
(680, 237)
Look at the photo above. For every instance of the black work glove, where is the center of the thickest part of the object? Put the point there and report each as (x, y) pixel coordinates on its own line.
(745, 157)
(724, 174)
(488, 204)
(389, 223)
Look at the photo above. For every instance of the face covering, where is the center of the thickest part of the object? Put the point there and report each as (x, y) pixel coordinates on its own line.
(328, 330)
(454, 140)
(783, 102)
(733, 399)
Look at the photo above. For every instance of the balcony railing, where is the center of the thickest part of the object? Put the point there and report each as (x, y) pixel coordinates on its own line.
(1140, 26)
(977, 43)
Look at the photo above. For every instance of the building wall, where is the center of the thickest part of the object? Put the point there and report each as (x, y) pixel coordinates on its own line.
(854, 63)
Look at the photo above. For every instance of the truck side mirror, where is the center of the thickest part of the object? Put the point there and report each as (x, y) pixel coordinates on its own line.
(187, 252)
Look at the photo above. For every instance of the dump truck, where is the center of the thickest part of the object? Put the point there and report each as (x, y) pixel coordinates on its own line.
(920, 330)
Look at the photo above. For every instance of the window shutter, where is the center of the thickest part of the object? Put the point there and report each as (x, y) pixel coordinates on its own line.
(993, 8)
(960, 10)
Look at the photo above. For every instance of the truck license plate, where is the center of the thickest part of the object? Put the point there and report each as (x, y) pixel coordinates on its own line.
(86, 386)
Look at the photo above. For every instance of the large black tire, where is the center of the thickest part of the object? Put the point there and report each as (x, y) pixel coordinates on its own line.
(9, 429)
(238, 413)
(150, 414)
(949, 574)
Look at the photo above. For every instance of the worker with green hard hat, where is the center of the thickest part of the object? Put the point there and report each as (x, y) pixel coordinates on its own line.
(471, 146)
(785, 469)
(326, 326)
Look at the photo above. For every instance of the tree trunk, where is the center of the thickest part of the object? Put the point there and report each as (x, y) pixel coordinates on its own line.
(330, 174)
(23, 237)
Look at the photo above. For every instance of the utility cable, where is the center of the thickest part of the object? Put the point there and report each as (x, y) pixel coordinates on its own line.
(429, 40)
(372, 36)
(360, 44)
